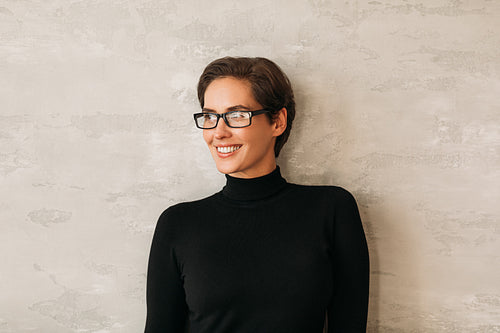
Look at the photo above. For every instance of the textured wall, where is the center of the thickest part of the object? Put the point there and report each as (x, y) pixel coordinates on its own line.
(398, 101)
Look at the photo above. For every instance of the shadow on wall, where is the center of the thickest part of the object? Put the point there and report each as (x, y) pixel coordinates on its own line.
(374, 298)
(397, 273)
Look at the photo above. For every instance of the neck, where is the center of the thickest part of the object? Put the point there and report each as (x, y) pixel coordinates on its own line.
(265, 170)
(254, 188)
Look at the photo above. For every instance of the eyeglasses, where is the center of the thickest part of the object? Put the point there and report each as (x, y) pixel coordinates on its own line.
(234, 119)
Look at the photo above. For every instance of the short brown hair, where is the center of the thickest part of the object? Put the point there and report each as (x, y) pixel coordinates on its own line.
(270, 86)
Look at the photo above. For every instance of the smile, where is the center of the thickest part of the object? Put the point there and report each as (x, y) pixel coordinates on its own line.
(227, 149)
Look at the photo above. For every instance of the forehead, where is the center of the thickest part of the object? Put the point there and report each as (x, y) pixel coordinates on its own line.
(224, 93)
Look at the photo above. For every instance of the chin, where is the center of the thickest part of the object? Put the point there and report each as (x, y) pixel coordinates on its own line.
(226, 166)
(226, 169)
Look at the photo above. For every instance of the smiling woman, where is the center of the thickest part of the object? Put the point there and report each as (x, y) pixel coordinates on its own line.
(261, 255)
(247, 151)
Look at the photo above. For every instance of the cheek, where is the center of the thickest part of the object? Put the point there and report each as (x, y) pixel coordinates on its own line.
(260, 136)
(207, 136)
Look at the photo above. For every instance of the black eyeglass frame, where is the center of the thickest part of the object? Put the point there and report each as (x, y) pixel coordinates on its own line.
(224, 115)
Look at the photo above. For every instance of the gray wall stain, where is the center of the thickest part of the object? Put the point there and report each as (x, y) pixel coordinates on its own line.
(74, 310)
(97, 125)
(47, 217)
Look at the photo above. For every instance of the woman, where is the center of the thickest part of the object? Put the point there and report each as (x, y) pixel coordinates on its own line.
(262, 255)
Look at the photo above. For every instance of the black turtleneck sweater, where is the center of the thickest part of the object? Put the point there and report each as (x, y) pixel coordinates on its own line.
(262, 255)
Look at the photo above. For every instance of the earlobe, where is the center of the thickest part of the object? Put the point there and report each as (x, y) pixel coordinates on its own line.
(280, 122)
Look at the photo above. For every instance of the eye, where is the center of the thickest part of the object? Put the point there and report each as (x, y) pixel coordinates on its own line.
(238, 115)
(209, 116)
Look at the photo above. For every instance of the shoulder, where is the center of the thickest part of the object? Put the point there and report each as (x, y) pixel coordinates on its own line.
(177, 217)
(333, 194)
(183, 208)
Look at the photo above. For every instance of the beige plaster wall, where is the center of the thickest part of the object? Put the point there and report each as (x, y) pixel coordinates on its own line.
(398, 101)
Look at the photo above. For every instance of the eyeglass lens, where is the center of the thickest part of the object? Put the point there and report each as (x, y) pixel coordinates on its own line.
(234, 119)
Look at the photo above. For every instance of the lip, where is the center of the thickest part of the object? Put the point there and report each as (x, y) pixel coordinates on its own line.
(226, 155)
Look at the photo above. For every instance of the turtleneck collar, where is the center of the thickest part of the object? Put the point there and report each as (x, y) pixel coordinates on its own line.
(254, 188)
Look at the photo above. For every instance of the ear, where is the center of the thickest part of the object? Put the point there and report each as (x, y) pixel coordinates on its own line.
(279, 124)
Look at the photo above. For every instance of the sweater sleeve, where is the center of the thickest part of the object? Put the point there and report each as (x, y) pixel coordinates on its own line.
(165, 296)
(348, 308)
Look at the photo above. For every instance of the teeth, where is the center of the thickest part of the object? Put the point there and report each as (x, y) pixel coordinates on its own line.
(225, 150)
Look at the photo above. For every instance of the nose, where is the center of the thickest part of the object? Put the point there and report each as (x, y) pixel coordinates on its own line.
(222, 130)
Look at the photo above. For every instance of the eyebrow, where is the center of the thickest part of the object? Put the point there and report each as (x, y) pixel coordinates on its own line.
(231, 108)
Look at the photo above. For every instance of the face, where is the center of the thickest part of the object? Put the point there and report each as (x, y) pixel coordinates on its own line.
(246, 152)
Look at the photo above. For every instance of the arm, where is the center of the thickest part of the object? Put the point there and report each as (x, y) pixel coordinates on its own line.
(165, 296)
(348, 308)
